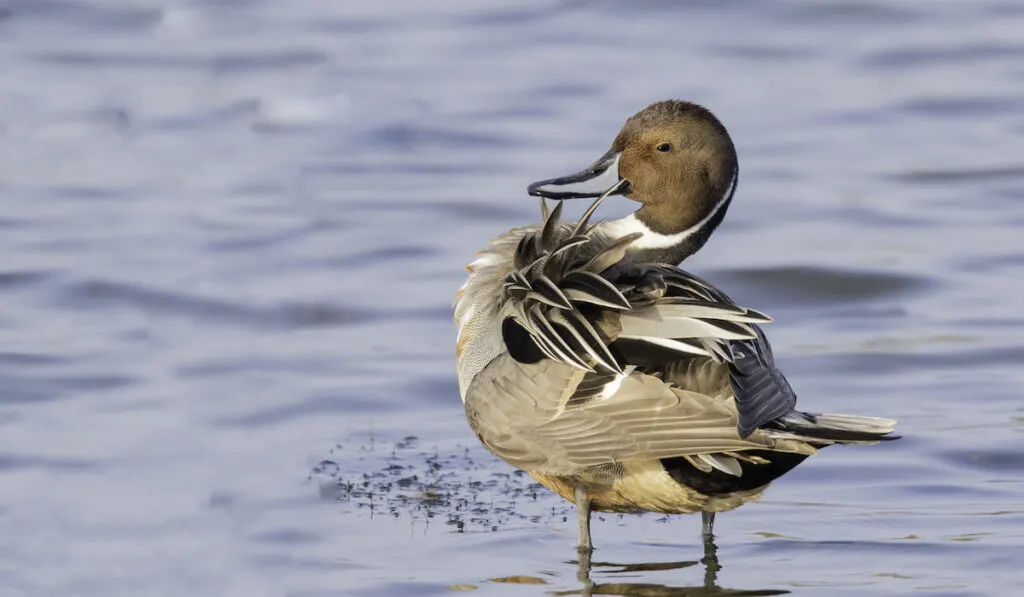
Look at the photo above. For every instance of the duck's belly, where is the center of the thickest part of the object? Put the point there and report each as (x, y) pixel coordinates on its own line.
(646, 487)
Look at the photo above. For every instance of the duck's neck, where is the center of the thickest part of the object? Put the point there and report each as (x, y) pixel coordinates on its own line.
(671, 248)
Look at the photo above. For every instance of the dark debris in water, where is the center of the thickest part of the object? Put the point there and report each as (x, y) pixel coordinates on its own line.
(467, 488)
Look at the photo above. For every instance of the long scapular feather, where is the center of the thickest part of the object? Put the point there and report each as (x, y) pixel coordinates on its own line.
(570, 244)
(586, 287)
(540, 297)
(711, 310)
(543, 240)
(557, 343)
(585, 218)
(524, 254)
(679, 346)
(549, 289)
(681, 327)
(611, 254)
(591, 342)
(520, 280)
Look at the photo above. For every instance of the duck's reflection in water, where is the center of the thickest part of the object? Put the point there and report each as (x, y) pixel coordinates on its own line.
(710, 586)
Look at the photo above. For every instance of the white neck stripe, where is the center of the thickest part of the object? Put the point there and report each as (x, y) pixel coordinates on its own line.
(655, 240)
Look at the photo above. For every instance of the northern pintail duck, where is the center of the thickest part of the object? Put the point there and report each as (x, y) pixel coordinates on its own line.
(625, 384)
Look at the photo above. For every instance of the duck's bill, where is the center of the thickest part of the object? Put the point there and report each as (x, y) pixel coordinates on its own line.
(601, 177)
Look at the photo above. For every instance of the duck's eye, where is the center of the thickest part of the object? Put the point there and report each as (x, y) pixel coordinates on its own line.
(664, 147)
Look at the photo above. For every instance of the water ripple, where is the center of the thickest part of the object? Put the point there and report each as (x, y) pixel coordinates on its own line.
(96, 294)
(11, 462)
(24, 388)
(954, 174)
(1004, 461)
(854, 13)
(14, 280)
(942, 55)
(794, 286)
(239, 62)
(80, 14)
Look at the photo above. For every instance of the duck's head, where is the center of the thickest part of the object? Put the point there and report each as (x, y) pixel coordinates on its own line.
(674, 158)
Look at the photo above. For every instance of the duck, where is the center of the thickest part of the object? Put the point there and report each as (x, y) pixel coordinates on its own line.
(588, 359)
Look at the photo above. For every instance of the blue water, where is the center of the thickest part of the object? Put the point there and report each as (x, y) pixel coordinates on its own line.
(230, 232)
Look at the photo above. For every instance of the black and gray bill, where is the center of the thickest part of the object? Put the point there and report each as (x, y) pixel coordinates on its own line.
(596, 180)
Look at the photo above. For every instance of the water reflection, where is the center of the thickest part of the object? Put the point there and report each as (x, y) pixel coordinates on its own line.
(710, 562)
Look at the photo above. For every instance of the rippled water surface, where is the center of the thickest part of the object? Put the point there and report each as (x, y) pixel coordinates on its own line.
(230, 232)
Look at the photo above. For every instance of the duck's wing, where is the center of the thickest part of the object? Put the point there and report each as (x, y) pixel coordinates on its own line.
(644, 419)
(761, 391)
(591, 374)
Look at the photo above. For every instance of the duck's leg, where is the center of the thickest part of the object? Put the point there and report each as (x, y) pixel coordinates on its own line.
(583, 570)
(584, 547)
(583, 512)
(707, 525)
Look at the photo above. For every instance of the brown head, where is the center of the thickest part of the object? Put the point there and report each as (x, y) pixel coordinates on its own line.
(673, 157)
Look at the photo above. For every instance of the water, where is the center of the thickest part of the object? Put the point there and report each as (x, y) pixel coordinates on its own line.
(230, 232)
